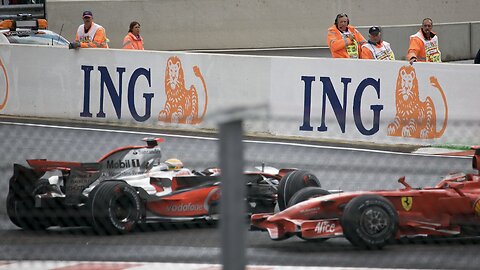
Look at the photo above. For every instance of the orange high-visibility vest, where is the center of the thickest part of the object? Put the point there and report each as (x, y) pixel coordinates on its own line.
(381, 51)
(94, 38)
(132, 42)
(341, 46)
(424, 50)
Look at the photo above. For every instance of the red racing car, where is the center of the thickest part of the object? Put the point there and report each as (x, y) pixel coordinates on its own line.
(369, 219)
(127, 186)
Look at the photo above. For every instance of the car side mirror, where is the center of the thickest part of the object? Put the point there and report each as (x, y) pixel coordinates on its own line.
(402, 181)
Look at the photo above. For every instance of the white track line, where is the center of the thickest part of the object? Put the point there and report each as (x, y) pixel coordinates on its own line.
(245, 141)
(78, 265)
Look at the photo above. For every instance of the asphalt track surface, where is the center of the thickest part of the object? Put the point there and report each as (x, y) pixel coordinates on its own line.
(199, 242)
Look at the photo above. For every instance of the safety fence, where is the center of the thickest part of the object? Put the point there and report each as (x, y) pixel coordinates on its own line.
(297, 98)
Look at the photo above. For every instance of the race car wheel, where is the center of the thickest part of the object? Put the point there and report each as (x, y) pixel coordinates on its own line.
(23, 214)
(369, 221)
(293, 182)
(11, 211)
(307, 193)
(22, 211)
(115, 207)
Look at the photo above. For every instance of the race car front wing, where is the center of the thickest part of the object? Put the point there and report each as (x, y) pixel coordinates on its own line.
(279, 229)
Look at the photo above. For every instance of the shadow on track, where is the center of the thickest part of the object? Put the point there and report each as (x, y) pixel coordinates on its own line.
(140, 228)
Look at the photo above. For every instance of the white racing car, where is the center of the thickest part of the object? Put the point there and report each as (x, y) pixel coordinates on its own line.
(131, 185)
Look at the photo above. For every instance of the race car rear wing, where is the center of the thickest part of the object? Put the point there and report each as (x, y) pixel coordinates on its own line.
(43, 165)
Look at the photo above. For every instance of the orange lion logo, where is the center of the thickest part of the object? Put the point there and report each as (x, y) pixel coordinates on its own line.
(3, 86)
(414, 118)
(181, 105)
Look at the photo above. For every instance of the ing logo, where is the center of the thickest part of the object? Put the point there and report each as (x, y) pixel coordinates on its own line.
(181, 105)
(415, 118)
(3, 85)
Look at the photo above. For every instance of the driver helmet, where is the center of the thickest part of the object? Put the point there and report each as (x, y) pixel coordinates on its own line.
(174, 164)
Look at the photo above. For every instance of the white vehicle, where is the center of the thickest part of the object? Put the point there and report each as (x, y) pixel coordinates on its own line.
(25, 30)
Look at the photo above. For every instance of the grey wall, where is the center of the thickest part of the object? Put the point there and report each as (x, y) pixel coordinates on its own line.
(246, 24)
(458, 41)
(475, 38)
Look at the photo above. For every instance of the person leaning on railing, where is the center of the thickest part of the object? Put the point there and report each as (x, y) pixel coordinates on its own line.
(424, 44)
(89, 34)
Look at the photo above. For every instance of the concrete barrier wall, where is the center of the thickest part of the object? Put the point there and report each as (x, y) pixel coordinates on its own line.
(364, 100)
(324, 98)
(126, 86)
(235, 24)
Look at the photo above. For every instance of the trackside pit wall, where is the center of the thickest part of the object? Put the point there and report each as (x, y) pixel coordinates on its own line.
(319, 98)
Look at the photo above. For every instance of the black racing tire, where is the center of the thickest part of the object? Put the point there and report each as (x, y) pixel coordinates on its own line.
(12, 211)
(369, 221)
(22, 211)
(23, 214)
(307, 193)
(115, 207)
(293, 182)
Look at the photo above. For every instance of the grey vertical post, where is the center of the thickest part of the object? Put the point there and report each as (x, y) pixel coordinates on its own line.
(232, 201)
